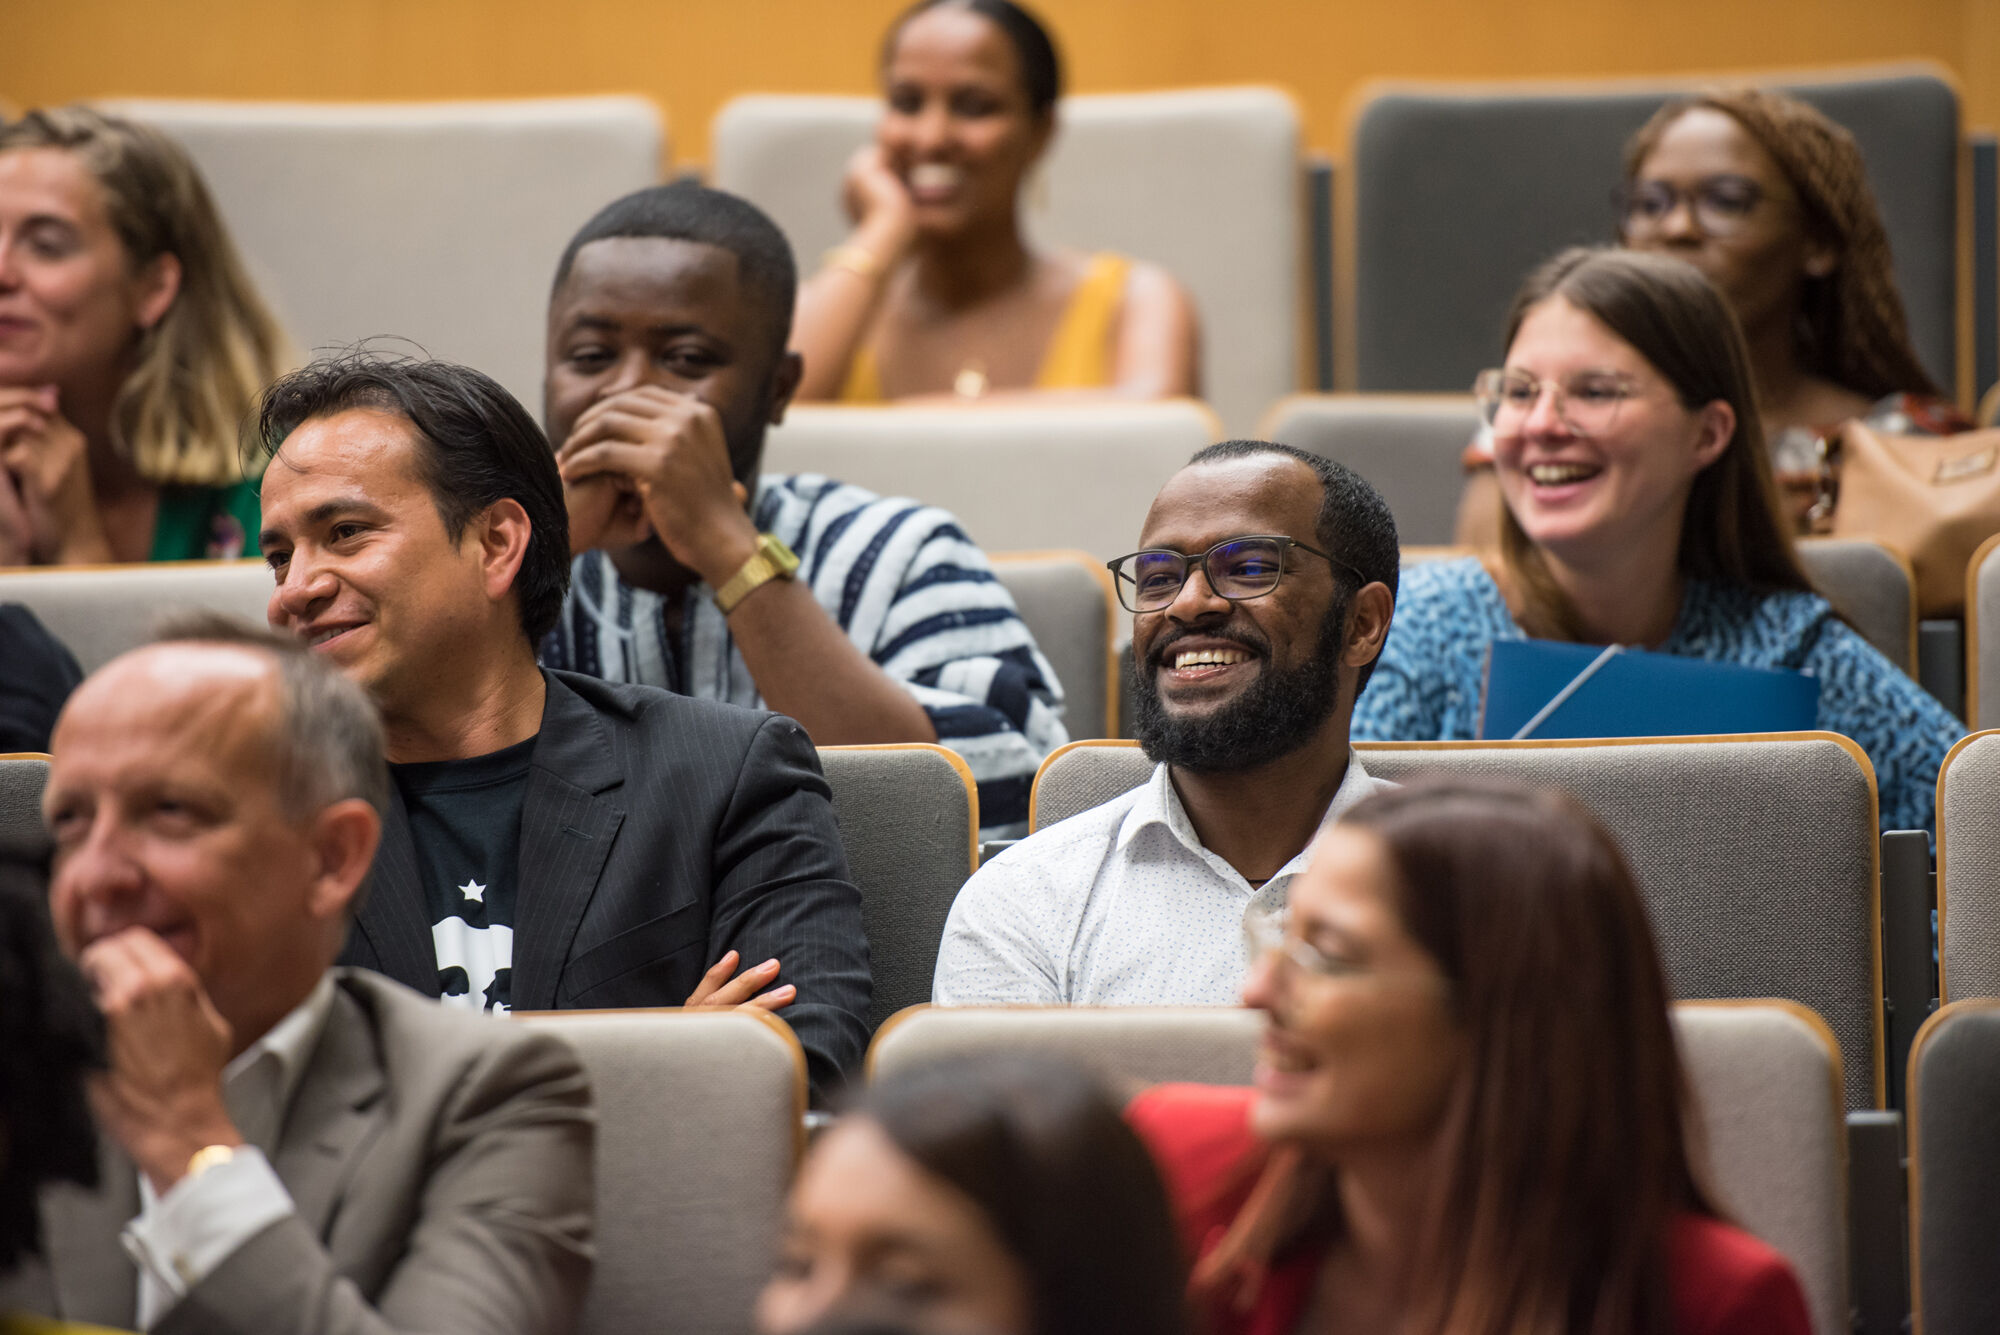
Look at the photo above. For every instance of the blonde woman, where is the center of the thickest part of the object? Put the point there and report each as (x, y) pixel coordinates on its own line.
(131, 347)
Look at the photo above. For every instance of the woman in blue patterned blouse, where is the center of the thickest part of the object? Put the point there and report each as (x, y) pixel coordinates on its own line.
(1640, 510)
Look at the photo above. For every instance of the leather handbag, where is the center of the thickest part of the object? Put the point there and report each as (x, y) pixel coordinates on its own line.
(1932, 498)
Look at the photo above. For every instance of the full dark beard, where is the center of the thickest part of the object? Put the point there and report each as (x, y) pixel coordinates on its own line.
(1273, 717)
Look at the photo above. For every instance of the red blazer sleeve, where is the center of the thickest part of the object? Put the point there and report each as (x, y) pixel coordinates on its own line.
(1727, 1282)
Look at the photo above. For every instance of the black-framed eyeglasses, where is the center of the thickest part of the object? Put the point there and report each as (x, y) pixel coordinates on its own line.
(1238, 569)
(1721, 204)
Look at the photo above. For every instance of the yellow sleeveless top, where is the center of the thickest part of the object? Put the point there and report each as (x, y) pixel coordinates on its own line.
(20, 1323)
(1078, 355)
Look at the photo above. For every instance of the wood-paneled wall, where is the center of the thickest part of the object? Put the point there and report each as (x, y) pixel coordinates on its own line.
(691, 57)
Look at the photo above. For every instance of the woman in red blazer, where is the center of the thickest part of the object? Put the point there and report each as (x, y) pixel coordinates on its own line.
(1469, 1116)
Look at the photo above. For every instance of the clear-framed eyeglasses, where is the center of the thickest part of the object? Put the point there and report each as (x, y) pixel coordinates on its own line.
(1264, 936)
(1721, 205)
(1588, 402)
(1238, 569)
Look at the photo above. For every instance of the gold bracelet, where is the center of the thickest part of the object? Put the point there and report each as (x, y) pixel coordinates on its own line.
(855, 259)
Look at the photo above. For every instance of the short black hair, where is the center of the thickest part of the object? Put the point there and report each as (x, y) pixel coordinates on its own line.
(478, 446)
(1354, 526)
(1034, 49)
(688, 211)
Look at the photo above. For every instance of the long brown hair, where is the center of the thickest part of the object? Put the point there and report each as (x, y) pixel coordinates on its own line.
(1852, 329)
(198, 371)
(1677, 321)
(1566, 1145)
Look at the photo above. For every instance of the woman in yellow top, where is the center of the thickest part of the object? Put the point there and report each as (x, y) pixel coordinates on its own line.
(936, 292)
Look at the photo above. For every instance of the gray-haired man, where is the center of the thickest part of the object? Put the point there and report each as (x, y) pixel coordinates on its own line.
(288, 1147)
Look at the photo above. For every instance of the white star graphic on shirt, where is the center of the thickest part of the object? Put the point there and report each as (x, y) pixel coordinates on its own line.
(473, 891)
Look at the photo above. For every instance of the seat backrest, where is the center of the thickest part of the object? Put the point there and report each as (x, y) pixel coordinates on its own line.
(1033, 477)
(1982, 636)
(22, 836)
(1873, 587)
(1203, 181)
(1457, 192)
(1067, 601)
(909, 819)
(1083, 775)
(1968, 869)
(437, 222)
(1409, 446)
(99, 612)
(1766, 1077)
(699, 1125)
(1758, 855)
(1124, 1046)
(1955, 1170)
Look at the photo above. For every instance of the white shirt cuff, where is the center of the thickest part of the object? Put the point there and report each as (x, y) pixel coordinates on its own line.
(203, 1219)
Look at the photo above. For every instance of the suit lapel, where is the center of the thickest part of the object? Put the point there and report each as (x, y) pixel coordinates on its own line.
(95, 1281)
(336, 1110)
(395, 918)
(569, 819)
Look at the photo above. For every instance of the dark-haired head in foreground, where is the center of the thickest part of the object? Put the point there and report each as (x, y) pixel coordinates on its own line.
(1468, 1074)
(1004, 1196)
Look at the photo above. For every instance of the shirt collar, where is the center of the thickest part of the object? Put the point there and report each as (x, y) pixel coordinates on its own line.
(1158, 804)
(289, 1042)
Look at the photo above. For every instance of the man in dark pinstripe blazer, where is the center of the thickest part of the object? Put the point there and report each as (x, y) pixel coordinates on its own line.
(553, 841)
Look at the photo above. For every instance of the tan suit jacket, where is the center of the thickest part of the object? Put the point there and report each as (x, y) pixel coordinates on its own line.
(440, 1166)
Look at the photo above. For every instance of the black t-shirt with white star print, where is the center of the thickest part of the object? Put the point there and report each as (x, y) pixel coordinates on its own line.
(465, 820)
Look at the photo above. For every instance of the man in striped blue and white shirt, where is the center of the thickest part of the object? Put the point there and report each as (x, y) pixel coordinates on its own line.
(866, 619)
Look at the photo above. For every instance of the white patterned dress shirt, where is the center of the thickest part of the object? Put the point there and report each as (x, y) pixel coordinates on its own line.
(1120, 905)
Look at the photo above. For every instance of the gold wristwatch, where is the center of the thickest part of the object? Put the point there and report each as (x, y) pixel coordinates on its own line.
(772, 560)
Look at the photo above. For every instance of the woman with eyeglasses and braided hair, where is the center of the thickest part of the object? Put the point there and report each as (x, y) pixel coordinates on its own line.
(1769, 199)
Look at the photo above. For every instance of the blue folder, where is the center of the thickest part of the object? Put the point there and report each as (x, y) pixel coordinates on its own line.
(1633, 693)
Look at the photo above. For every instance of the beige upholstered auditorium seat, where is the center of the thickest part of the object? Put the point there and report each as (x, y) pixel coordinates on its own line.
(1955, 1170)
(1409, 446)
(438, 222)
(1873, 587)
(22, 778)
(101, 611)
(1766, 1077)
(1758, 855)
(1067, 600)
(1203, 181)
(1023, 477)
(1968, 869)
(1982, 635)
(699, 1125)
(1126, 1047)
(1767, 1081)
(909, 820)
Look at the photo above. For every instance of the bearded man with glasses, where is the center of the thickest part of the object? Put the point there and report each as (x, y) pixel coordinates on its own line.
(1261, 594)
